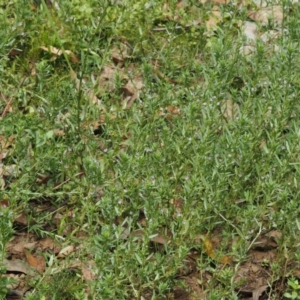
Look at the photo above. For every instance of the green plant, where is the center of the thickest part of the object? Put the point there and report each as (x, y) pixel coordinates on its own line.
(293, 289)
(6, 232)
(63, 284)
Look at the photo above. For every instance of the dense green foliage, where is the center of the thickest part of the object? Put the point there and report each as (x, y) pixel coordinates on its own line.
(237, 171)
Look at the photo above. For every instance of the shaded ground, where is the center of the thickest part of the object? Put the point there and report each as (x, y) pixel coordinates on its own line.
(253, 276)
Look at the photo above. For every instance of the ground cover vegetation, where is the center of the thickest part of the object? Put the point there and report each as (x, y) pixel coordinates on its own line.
(149, 149)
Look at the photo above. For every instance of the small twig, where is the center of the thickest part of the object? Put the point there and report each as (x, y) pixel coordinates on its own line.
(61, 205)
(285, 267)
(166, 29)
(178, 26)
(67, 180)
(257, 236)
(238, 231)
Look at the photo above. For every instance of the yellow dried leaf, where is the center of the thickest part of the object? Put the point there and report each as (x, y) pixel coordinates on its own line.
(230, 110)
(209, 248)
(58, 52)
(210, 251)
(65, 251)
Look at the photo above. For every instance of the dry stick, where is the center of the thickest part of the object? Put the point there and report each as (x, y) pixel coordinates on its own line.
(231, 224)
(64, 203)
(8, 104)
(67, 180)
(284, 268)
(240, 233)
(166, 29)
(256, 237)
(178, 26)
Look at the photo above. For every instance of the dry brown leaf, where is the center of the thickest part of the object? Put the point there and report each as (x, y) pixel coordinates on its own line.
(275, 235)
(159, 239)
(22, 245)
(143, 222)
(107, 78)
(3, 155)
(173, 110)
(74, 58)
(21, 219)
(196, 290)
(86, 268)
(106, 81)
(37, 262)
(87, 272)
(14, 52)
(253, 272)
(264, 14)
(258, 292)
(131, 90)
(10, 170)
(5, 142)
(264, 243)
(48, 243)
(120, 53)
(139, 233)
(173, 15)
(94, 125)
(43, 178)
(58, 132)
(18, 265)
(296, 271)
(7, 171)
(181, 4)
(214, 18)
(169, 112)
(267, 241)
(8, 107)
(17, 245)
